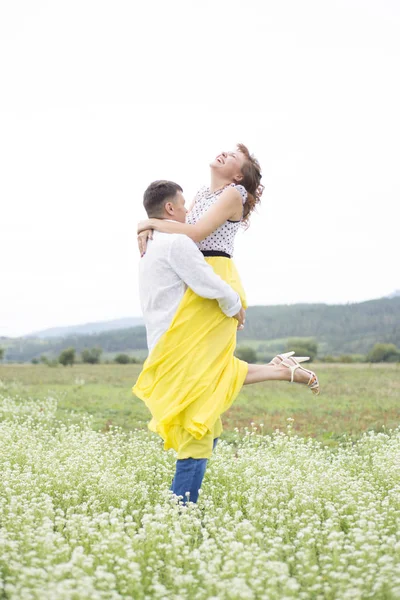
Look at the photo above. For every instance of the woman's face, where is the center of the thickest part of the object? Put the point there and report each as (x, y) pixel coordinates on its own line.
(229, 165)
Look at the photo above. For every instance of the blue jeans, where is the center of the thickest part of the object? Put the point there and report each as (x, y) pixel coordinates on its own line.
(189, 476)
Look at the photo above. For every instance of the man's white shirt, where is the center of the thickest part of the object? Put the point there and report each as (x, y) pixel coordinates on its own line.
(173, 263)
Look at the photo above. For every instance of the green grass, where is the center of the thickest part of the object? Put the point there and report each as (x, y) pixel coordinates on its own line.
(104, 391)
(354, 399)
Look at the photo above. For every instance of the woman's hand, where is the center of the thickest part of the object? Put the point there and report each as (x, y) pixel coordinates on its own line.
(142, 238)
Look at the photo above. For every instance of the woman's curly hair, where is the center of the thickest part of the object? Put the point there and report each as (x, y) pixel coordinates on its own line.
(251, 181)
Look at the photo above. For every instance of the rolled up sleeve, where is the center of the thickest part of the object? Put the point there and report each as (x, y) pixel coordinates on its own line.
(188, 263)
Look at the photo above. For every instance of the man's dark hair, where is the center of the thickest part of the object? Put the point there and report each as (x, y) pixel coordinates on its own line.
(157, 194)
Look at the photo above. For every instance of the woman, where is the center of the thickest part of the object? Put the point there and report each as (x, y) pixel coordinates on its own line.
(192, 376)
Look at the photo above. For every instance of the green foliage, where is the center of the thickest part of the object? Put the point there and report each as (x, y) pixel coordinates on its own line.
(246, 353)
(67, 357)
(1, 353)
(35, 361)
(384, 353)
(303, 347)
(120, 340)
(50, 362)
(394, 358)
(122, 359)
(338, 329)
(328, 358)
(343, 358)
(91, 356)
(346, 358)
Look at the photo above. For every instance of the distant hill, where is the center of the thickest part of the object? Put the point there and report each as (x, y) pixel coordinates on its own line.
(88, 328)
(118, 340)
(394, 294)
(338, 329)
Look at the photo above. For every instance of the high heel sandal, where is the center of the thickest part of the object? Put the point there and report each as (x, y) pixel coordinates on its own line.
(280, 357)
(313, 382)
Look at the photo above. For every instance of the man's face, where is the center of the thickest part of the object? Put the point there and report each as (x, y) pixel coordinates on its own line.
(176, 209)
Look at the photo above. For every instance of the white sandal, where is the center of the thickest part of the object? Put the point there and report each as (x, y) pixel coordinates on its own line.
(313, 382)
(280, 357)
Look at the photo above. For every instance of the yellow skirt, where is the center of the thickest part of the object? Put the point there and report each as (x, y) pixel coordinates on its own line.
(192, 376)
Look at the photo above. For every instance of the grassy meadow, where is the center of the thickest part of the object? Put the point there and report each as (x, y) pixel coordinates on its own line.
(355, 398)
(86, 512)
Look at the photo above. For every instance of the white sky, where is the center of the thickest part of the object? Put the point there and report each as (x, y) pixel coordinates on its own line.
(98, 98)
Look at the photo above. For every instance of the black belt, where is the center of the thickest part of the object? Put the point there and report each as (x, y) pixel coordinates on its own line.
(215, 253)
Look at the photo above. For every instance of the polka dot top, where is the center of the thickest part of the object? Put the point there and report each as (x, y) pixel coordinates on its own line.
(222, 239)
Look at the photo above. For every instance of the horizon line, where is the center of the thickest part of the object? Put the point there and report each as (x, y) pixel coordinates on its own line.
(36, 332)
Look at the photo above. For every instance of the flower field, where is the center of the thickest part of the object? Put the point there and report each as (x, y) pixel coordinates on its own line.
(86, 514)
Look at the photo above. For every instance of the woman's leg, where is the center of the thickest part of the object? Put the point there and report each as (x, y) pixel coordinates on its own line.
(259, 373)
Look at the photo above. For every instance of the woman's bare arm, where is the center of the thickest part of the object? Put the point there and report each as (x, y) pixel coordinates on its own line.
(193, 202)
(228, 206)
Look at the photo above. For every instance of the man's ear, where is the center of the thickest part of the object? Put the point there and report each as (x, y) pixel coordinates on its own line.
(169, 208)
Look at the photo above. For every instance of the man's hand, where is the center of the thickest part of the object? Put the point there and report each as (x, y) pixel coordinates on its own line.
(142, 240)
(241, 318)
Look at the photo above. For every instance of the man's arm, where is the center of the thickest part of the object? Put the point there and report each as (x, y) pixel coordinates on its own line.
(188, 262)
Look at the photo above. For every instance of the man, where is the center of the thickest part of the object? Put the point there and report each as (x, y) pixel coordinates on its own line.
(171, 264)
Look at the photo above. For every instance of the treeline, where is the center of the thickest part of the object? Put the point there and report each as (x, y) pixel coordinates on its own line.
(302, 347)
(92, 356)
(338, 330)
(120, 340)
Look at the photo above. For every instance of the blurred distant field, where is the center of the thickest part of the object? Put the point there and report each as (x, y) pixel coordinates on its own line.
(354, 398)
